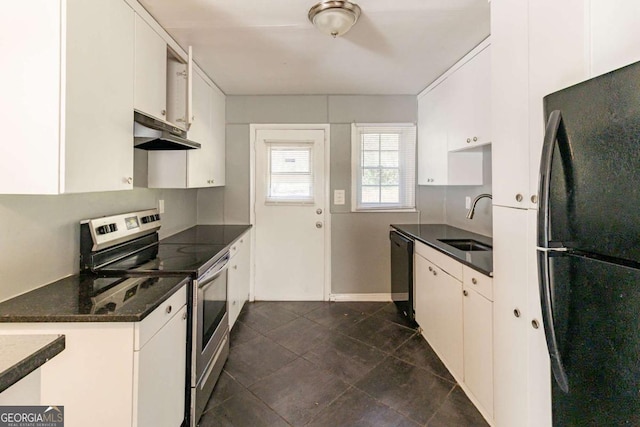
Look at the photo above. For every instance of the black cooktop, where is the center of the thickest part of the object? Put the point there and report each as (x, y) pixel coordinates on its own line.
(168, 259)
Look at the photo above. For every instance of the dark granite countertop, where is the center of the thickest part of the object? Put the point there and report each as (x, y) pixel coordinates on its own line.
(23, 354)
(429, 234)
(208, 235)
(70, 300)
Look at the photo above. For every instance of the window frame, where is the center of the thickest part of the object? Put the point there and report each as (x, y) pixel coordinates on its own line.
(407, 162)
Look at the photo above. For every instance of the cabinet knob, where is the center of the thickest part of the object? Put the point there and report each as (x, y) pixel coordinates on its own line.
(474, 281)
(128, 180)
(430, 269)
(516, 312)
(465, 293)
(169, 308)
(475, 138)
(534, 199)
(435, 273)
(468, 140)
(184, 316)
(163, 112)
(235, 267)
(535, 324)
(318, 224)
(519, 197)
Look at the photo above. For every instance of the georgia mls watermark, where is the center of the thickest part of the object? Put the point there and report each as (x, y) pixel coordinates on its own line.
(31, 416)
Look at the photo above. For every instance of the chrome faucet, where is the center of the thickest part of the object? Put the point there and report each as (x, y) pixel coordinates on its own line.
(473, 205)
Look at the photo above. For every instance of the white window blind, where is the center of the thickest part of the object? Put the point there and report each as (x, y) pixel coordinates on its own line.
(383, 166)
(290, 177)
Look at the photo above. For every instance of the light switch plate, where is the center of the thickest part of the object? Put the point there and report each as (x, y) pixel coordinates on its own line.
(467, 202)
(161, 206)
(338, 197)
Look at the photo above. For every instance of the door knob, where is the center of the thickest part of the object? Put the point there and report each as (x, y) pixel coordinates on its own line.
(319, 211)
(318, 224)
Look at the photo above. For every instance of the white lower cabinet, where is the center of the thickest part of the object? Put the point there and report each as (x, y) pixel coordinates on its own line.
(159, 375)
(439, 312)
(521, 363)
(239, 276)
(457, 321)
(117, 373)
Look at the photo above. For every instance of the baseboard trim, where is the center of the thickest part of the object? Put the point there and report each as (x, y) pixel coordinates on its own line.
(383, 297)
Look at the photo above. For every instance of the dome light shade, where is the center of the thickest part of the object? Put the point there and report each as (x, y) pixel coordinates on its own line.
(334, 18)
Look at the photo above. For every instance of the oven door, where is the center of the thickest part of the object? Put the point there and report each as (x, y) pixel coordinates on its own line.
(211, 311)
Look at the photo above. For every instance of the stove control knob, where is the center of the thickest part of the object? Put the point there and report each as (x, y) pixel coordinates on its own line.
(145, 219)
(113, 227)
(157, 217)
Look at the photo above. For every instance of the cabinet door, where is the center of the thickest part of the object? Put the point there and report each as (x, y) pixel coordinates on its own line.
(539, 371)
(432, 136)
(159, 387)
(439, 313)
(510, 266)
(98, 133)
(510, 103)
(478, 347)
(150, 92)
(556, 60)
(239, 277)
(471, 103)
(218, 126)
(200, 162)
(614, 34)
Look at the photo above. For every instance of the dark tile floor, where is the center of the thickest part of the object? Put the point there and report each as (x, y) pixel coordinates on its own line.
(333, 364)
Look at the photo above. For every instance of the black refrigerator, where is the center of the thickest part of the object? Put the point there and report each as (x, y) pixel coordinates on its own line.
(589, 249)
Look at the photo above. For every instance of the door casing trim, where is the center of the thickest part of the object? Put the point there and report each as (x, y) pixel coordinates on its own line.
(253, 131)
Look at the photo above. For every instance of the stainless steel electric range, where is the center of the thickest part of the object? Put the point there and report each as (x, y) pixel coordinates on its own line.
(128, 245)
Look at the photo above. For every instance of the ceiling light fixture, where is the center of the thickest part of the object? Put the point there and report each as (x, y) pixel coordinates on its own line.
(334, 17)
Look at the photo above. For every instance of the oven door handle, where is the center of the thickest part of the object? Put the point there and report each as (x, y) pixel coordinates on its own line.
(212, 273)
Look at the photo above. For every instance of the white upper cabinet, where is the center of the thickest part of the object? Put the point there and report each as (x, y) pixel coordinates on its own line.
(455, 108)
(614, 34)
(150, 93)
(470, 114)
(203, 167)
(68, 97)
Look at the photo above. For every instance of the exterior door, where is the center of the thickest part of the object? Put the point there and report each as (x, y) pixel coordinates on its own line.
(290, 214)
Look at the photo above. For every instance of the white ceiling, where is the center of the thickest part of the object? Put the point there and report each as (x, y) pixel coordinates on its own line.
(256, 47)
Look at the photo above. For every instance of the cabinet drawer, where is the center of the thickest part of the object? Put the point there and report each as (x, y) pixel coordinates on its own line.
(445, 262)
(148, 327)
(237, 246)
(478, 282)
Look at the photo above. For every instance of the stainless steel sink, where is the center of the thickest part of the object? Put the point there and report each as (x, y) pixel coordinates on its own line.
(466, 244)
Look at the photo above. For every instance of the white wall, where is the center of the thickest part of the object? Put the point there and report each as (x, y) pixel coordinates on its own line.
(40, 235)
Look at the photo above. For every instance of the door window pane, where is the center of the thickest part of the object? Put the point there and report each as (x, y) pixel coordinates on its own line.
(290, 177)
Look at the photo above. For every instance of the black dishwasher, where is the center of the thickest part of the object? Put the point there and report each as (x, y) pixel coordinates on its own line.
(402, 292)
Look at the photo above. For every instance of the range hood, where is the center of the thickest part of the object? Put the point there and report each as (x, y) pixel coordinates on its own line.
(150, 133)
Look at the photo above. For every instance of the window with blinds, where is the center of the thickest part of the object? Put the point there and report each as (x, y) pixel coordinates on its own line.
(290, 177)
(383, 166)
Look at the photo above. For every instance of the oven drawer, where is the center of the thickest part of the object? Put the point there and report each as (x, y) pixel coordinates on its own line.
(148, 327)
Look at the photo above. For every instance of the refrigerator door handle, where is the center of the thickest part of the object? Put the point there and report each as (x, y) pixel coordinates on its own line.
(554, 126)
(555, 357)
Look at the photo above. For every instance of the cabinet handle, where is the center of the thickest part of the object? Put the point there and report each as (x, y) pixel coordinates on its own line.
(516, 312)
(163, 112)
(241, 240)
(169, 308)
(465, 293)
(128, 180)
(534, 199)
(535, 324)
(475, 138)
(235, 267)
(430, 269)
(184, 316)
(474, 281)
(468, 140)
(435, 273)
(518, 197)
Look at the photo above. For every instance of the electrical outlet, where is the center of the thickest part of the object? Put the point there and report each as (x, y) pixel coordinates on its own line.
(161, 206)
(467, 202)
